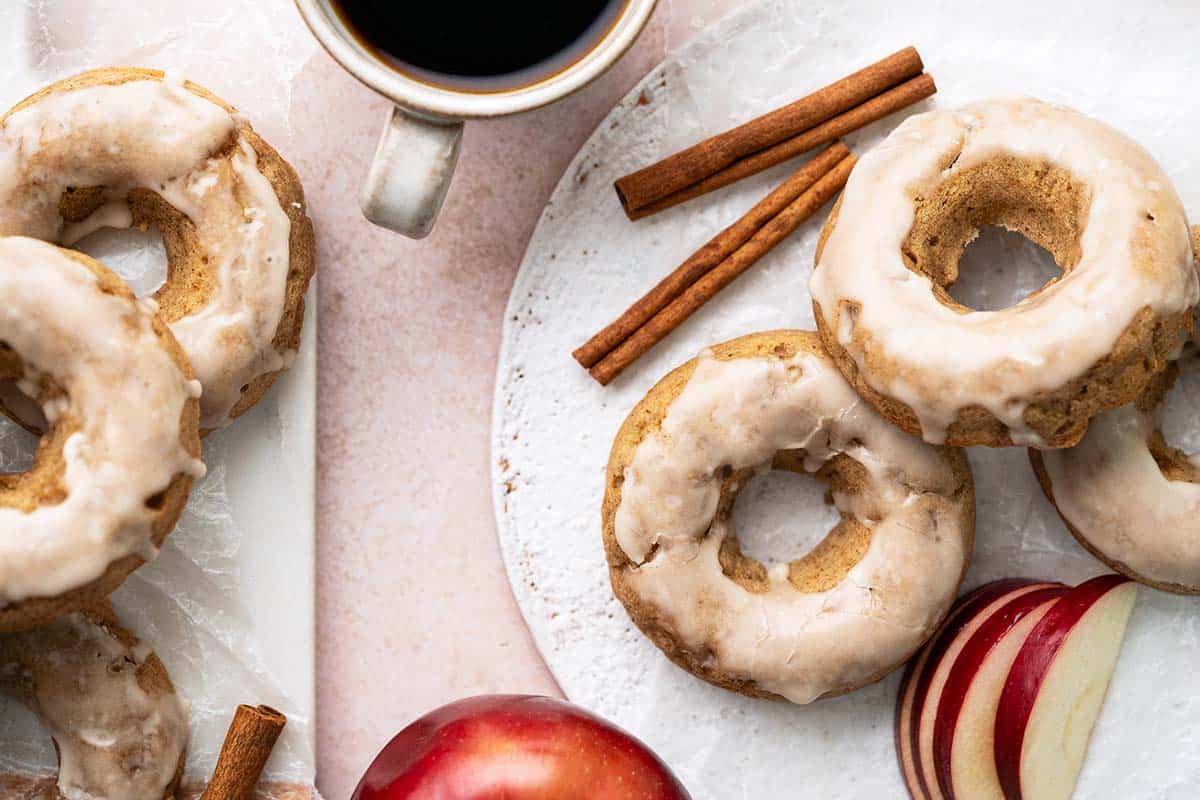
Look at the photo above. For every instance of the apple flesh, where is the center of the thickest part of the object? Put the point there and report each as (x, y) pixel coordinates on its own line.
(1054, 692)
(965, 716)
(930, 680)
(516, 747)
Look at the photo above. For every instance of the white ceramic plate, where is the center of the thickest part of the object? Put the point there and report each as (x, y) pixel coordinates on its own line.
(585, 263)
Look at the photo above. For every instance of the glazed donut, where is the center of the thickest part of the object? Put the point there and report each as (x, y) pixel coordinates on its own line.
(118, 726)
(112, 473)
(1128, 497)
(844, 615)
(1035, 373)
(121, 147)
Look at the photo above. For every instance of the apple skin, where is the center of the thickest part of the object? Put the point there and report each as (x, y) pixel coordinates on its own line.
(516, 747)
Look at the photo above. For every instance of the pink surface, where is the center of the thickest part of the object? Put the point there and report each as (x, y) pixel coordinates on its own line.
(414, 609)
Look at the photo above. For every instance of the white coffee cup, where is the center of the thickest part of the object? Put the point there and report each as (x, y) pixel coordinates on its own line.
(418, 150)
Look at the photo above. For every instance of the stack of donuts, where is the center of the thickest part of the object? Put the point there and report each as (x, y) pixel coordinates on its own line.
(879, 401)
(121, 389)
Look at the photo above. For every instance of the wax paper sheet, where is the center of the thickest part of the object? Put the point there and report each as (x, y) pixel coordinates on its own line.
(228, 604)
(553, 425)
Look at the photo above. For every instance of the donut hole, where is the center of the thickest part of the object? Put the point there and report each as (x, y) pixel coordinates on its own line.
(31, 463)
(782, 513)
(17, 445)
(1176, 391)
(138, 256)
(789, 512)
(999, 269)
(17, 726)
(1038, 201)
(145, 240)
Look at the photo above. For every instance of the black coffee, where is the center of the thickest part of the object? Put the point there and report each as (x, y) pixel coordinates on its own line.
(480, 45)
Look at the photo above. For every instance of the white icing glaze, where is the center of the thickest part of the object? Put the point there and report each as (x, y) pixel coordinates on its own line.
(945, 361)
(127, 396)
(1111, 490)
(160, 136)
(115, 740)
(740, 413)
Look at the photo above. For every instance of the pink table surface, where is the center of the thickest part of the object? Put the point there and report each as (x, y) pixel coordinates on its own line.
(414, 609)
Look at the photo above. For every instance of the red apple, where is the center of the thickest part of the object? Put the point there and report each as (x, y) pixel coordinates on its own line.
(931, 679)
(516, 747)
(917, 676)
(1054, 692)
(964, 721)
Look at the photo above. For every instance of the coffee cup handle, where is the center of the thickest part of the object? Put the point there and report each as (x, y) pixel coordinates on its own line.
(411, 172)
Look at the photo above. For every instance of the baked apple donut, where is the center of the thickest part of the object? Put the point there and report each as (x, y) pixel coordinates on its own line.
(118, 726)
(113, 470)
(1035, 373)
(1128, 497)
(844, 615)
(121, 147)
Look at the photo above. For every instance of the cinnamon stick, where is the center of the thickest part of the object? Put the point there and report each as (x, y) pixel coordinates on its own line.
(714, 154)
(740, 260)
(248, 744)
(906, 94)
(710, 255)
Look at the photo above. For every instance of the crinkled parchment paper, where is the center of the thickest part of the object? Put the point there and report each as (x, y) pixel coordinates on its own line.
(586, 263)
(228, 604)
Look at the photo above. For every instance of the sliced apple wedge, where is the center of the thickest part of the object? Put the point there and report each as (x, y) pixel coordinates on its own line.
(963, 607)
(1054, 692)
(964, 723)
(915, 675)
(927, 673)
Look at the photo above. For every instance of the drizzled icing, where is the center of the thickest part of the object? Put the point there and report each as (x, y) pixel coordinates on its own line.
(944, 361)
(123, 392)
(1112, 491)
(160, 136)
(116, 740)
(739, 413)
